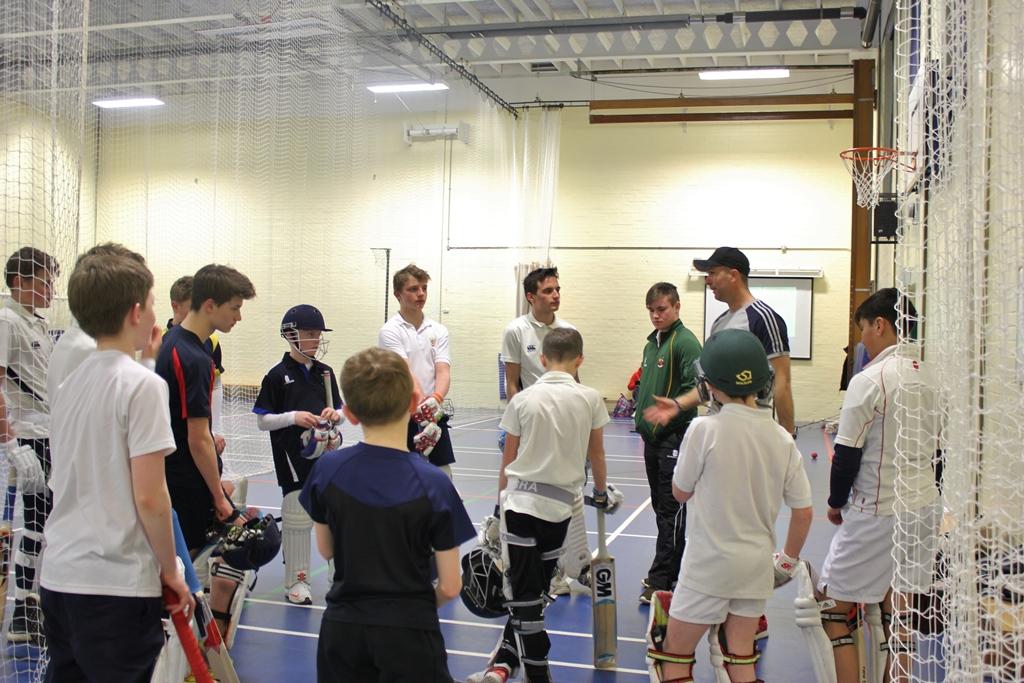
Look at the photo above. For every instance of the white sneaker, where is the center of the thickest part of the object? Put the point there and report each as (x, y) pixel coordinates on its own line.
(299, 592)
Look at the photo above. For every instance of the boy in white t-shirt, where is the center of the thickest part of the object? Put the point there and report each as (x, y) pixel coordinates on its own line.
(552, 427)
(110, 526)
(735, 469)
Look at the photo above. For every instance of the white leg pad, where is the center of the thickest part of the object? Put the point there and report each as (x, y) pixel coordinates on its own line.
(241, 494)
(717, 660)
(576, 550)
(878, 647)
(808, 619)
(235, 583)
(295, 539)
(202, 566)
(171, 665)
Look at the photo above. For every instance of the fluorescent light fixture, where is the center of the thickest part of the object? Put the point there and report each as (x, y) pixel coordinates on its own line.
(128, 102)
(740, 74)
(405, 87)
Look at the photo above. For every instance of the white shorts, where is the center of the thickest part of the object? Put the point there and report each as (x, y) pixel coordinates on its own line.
(698, 608)
(859, 565)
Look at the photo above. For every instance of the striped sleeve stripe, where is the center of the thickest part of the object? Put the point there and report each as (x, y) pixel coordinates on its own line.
(770, 319)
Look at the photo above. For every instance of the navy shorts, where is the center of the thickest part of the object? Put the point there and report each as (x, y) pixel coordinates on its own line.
(101, 637)
(443, 453)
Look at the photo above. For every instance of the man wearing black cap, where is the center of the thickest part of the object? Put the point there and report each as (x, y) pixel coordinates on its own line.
(292, 403)
(727, 270)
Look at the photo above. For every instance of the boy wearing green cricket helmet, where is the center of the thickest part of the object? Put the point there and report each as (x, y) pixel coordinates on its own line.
(735, 470)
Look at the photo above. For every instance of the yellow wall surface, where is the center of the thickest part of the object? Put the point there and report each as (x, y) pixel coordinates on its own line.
(634, 204)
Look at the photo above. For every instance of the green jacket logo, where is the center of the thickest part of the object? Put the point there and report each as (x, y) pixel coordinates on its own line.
(744, 378)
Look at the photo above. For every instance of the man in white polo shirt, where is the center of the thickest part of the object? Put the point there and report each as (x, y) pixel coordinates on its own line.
(520, 351)
(423, 343)
(524, 336)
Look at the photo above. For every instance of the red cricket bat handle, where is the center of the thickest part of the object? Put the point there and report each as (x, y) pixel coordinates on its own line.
(188, 640)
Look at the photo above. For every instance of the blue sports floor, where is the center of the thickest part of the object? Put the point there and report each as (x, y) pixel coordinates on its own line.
(277, 641)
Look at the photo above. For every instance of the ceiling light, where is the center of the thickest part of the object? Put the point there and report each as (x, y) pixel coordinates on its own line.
(128, 102)
(739, 74)
(405, 87)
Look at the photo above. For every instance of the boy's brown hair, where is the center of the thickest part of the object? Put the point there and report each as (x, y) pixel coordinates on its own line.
(660, 289)
(27, 262)
(220, 283)
(562, 344)
(112, 249)
(410, 272)
(181, 290)
(104, 287)
(377, 386)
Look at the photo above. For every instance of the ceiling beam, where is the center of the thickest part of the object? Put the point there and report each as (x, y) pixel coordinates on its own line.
(692, 102)
(723, 116)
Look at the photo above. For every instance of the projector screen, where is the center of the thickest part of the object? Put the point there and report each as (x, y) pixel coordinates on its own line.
(791, 297)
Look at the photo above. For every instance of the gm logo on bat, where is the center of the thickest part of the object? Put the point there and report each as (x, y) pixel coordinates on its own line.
(605, 588)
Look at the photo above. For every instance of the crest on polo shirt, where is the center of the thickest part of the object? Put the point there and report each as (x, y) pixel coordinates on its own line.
(288, 380)
(531, 347)
(661, 363)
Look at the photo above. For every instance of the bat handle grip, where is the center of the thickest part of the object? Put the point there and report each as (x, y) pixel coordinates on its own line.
(188, 640)
(602, 547)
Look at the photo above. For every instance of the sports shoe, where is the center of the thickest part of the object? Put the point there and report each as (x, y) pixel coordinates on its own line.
(762, 628)
(499, 673)
(299, 592)
(647, 594)
(27, 621)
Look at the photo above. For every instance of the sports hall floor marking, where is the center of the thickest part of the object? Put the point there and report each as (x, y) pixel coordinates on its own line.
(462, 653)
(470, 424)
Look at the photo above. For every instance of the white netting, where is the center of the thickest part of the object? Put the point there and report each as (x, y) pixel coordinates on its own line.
(40, 171)
(960, 89)
(268, 154)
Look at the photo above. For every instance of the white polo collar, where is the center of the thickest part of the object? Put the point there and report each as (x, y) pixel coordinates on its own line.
(882, 355)
(557, 377)
(537, 323)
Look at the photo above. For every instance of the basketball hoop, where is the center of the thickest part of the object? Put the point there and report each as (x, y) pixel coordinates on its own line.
(869, 166)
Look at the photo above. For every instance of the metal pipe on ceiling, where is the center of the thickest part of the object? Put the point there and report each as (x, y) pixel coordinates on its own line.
(868, 32)
(638, 23)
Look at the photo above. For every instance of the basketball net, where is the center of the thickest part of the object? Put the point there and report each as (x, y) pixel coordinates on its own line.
(869, 166)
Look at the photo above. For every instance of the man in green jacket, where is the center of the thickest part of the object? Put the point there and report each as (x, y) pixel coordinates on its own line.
(667, 370)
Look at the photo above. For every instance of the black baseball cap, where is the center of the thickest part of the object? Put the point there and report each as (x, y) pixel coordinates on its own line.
(729, 257)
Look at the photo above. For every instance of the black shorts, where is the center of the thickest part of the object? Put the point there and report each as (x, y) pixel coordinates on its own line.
(101, 637)
(443, 453)
(387, 654)
(194, 508)
(284, 466)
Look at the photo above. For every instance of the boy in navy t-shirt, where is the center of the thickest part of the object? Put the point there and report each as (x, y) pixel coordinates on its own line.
(292, 405)
(382, 514)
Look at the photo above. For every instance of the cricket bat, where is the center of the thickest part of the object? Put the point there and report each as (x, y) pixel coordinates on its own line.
(188, 641)
(7, 536)
(216, 650)
(328, 393)
(602, 587)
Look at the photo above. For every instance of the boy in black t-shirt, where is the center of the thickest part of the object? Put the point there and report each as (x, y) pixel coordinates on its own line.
(382, 514)
(293, 407)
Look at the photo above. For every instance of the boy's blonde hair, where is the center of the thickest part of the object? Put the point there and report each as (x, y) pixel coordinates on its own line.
(377, 386)
(104, 287)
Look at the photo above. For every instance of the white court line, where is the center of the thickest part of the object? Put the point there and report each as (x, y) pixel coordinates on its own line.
(468, 424)
(462, 653)
(628, 521)
(472, 475)
(483, 450)
(453, 622)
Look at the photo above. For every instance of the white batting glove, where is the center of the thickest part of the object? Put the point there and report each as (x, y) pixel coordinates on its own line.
(425, 441)
(25, 462)
(428, 411)
(785, 566)
(608, 500)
